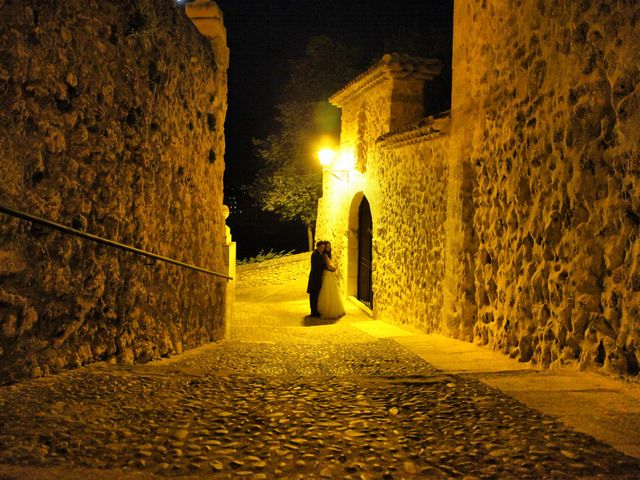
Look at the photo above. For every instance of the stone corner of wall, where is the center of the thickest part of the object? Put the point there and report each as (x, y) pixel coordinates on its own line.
(208, 18)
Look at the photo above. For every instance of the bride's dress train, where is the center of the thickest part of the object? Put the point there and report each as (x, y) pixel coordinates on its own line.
(329, 301)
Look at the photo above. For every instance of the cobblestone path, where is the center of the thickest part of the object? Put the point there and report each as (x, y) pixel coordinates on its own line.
(285, 400)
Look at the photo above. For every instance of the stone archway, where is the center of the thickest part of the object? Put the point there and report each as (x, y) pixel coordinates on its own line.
(359, 251)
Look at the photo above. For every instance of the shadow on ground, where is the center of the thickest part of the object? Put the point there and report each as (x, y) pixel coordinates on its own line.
(310, 321)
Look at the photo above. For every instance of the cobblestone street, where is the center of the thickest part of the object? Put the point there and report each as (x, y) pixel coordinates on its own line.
(283, 399)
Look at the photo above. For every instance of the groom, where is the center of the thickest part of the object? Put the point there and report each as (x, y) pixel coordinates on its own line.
(315, 278)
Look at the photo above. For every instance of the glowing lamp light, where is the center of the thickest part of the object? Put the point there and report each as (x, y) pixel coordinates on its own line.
(337, 163)
(326, 156)
(345, 161)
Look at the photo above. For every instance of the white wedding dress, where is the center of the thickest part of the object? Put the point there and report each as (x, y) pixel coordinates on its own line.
(329, 300)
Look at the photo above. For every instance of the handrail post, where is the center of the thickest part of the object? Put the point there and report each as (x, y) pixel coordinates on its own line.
(229, 254)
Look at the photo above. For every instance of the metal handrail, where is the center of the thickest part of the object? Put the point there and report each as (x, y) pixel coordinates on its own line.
(105, 241)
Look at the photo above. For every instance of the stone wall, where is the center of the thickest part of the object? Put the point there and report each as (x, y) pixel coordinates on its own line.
(276, 271)
(410, 237)
(399, 164)
(112, 123)
(546, 120)
(516, 226)
(405, 184)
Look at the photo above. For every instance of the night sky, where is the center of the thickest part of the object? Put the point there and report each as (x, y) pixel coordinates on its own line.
(263, 36)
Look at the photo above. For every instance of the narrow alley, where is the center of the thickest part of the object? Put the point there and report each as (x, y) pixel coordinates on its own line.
(285, 399)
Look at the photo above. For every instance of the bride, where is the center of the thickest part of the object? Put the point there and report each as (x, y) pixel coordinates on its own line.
(329, 301)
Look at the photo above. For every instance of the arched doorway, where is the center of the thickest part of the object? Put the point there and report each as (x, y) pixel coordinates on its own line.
(365, 257)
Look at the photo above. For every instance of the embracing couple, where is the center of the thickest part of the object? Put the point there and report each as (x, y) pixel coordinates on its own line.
(324, 295)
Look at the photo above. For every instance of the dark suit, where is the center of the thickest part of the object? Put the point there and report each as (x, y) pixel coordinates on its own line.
(315, 281)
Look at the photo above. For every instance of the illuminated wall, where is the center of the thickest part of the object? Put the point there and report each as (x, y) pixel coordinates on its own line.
(398, 172)
(112, 123)
(545, 141)
(516, 225)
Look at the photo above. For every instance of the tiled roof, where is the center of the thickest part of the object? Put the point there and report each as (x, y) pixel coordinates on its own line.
(426, 129)
(391, 65)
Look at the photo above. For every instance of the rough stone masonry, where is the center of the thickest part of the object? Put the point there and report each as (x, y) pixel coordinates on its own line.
(548, 127)
(111, 122)
(512, 220)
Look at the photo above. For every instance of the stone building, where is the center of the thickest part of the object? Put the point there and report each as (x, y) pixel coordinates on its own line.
(513, 219)
(112, 123)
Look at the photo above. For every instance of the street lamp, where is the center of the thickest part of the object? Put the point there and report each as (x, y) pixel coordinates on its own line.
(334, 162)
(327, 156)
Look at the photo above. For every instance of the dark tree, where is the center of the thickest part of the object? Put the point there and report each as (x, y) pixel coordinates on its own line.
(290, 181)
